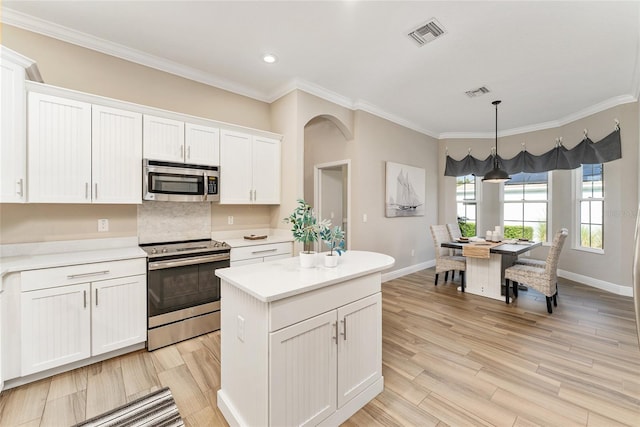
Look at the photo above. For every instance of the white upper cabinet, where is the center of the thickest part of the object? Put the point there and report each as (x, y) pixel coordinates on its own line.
(13, 141)
(249, 169)
(59, 149)
(235, 168)
(163, 139)
(79, 153)
(176, 141)
(266, 170)
(202, 145)
(116, 152)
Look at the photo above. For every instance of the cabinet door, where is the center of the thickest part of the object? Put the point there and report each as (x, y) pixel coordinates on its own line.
(54, 327)
(302, 372)
(359, 346)
(235, 168)
(13, 142)
(118, 313)
(59, 150)
(266, 170)
(163, 139)
(202, 144)
(116, 156)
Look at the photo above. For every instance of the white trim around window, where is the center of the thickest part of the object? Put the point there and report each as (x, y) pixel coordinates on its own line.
(588, 209)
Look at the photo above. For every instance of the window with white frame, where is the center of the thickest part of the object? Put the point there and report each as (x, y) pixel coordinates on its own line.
(467, 199)
(590, 206)
(526, 206)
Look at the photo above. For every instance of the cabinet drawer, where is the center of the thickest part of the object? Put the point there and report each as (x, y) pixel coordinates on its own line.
(259, 251)
(82, 273)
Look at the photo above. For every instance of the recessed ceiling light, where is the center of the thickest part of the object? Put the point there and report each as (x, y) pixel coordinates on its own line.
(269, 58)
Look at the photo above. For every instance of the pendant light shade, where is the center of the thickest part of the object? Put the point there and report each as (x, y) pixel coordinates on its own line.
(496, 175)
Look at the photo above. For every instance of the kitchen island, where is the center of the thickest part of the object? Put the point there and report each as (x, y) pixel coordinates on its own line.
(301, 345)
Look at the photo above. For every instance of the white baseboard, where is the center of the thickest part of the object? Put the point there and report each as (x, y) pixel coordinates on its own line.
(408, 270)
(626, 291)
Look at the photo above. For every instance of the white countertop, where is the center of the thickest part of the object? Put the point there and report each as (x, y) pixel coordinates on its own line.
(59, 254)
(242, 242)
(235, 238)
(274, 280)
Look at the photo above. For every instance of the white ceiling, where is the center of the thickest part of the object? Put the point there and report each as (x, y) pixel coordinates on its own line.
(549, 62)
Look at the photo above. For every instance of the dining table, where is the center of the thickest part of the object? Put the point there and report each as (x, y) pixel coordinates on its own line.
(486, 262)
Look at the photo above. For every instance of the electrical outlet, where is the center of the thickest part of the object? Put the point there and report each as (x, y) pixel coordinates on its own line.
(103, 225)
(240, 328)
(230, 220)
(413, 252)
(364, 217)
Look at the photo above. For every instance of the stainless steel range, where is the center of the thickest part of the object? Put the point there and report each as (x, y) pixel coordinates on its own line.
(183, 292)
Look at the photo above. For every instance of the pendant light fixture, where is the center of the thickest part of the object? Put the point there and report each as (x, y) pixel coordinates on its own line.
(496, 175)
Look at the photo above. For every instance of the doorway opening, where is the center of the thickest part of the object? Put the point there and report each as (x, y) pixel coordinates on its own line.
(332, 194)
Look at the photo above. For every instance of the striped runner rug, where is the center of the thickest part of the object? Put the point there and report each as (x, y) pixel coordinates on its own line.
(157, 409)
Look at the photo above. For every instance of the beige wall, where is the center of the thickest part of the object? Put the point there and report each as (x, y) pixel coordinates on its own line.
(375, 142)
(621, 191)
(73, 67)
(367, 140)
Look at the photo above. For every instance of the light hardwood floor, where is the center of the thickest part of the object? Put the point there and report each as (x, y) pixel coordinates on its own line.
(448, 359)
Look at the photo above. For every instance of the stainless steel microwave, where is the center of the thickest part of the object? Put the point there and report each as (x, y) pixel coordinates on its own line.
(180, 182)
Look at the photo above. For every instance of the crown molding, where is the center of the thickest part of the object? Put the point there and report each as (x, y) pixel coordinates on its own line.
(370, 108)
(343, 101)
(40, 26)
(553, 124)
(36, 25)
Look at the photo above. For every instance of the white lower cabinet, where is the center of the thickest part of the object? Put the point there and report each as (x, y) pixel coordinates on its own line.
(55, 327)
(313, 358)
(64, 322)
(318, 365)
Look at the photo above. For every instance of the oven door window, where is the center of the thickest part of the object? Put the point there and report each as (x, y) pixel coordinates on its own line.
(176, 288)
(166, 183)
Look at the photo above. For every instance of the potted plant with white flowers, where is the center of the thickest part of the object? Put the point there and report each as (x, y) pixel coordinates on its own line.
(306, 229)
(334, 238)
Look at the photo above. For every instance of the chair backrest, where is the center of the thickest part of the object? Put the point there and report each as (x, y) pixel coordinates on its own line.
(440, 235)
(554, 252)
(454, 231)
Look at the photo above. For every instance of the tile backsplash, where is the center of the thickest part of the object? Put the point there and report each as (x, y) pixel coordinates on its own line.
(172, 221)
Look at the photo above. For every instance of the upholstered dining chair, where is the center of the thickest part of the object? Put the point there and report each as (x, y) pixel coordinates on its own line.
(454, 231)
(444, 261)
(539, 275)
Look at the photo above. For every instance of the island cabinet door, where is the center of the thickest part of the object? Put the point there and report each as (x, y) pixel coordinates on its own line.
(359, 346)
(302, 372)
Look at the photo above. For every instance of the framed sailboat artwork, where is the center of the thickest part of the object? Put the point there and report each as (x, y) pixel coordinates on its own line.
(405, 190)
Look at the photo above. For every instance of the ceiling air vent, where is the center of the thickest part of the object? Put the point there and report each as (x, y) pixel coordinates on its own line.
(427, 33)
(477, 92)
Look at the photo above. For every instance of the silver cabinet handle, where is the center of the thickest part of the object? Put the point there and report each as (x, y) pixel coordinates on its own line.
(344, 328)
(20, 190)
(336, 336)
(85, 298)
(250, 195)
(182, 152)
(94, 273)
(189, 153)
(264, 251)
(95, 196)
(161, 265)
(86, 190)
(97, 298)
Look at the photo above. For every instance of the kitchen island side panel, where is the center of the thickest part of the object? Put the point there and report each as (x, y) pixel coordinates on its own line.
(245, 346)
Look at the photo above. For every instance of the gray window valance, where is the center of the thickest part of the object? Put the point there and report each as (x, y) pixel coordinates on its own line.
(560, 157)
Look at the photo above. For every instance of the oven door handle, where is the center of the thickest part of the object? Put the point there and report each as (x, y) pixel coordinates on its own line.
(161, 265)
